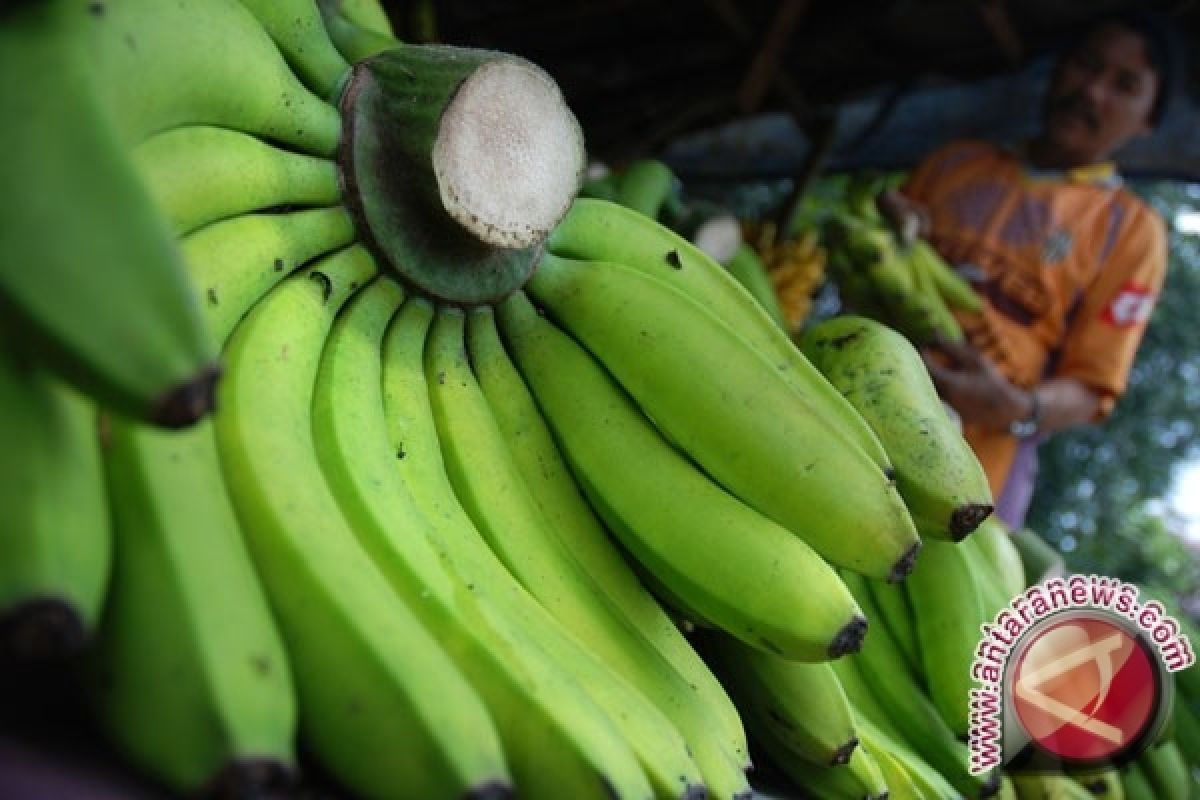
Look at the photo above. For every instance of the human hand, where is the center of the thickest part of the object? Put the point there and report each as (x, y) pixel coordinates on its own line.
(908, 219)
(975, 388)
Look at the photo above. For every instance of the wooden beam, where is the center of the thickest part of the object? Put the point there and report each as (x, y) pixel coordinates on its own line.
(1000, 24)
(767, 60)
(821, 134)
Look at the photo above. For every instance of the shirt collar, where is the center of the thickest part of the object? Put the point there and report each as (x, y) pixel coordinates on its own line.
(1103, 173)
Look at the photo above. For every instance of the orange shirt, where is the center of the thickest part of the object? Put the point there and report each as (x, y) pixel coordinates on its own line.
(1069, 266)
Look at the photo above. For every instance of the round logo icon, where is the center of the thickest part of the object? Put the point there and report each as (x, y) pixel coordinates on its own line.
(1085, 688)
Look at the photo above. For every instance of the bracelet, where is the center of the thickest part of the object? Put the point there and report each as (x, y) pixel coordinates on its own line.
(1024, 428)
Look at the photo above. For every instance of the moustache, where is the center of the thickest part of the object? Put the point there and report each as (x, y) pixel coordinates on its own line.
(1077, 104)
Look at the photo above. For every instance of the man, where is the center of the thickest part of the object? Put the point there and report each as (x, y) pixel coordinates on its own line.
(1068, 262)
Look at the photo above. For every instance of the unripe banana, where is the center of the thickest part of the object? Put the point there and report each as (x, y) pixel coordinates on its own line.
(601, 231)
(644, 186)
(858, 779)
(556, 740)
(746, 427)
(952, 287)
(368, 675)
(568, 517)
(1103, 783)
(354, 41)
(202, 174)
(202, 62)
(297, 27)
(882, 375)
(896, 615)
(89, 273)
(234, 262)
(490, 489)
(751, 273)
(1166, 771)
(995, 544)
(197, 702)
(55, 542)
(800, 706)
(767, 587)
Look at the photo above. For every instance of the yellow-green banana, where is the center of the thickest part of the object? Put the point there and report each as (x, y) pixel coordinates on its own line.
(557, 742)
(884, 378)
(571, 520)
(490, 489)
(1048, 786)
(201, 174)
(953, 288)
(354, 41)
(644, 186)
(896, 614)
(1135, 784)
(203, 62)
(1166, 771)
(995, 544)
(746, 427)
(766, 586)
(801, 706)
(381, 705)
(858, 779)
(413, 437)
(297, 27)
(950, 607)
(189, 677)
(89, 274)
(751, 273)
(901, 698)
(55, 542)
(234, 262)
(596, 230)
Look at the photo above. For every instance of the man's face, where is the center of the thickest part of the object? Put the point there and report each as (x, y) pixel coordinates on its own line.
(1101, 96)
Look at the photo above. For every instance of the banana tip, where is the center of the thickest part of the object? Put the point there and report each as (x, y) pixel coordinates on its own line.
(187, 403)
(494, 789)
(850, 638)
(41, 630)
(842, 754)
(253, 777)
(905, 564)
(967, 518)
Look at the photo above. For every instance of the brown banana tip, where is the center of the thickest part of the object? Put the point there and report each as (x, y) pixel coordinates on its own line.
(905, 565)
(991, 787)
(252, 777)
(850, 638)
(695, 791)
(843, 753)
(189, 402)
(41, 630)
(967, 518)
(495, 789)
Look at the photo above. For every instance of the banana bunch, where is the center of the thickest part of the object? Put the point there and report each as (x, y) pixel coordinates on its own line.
(904, 284)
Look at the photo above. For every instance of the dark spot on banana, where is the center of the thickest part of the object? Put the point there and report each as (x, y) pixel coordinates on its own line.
(400, 452)
(441, 379)
(841, 341)
(278, 265)
(326, 285)
(212, 295)
(130, 42)
(774, 714)
(261, 664)
(674, 260)
(96, 9)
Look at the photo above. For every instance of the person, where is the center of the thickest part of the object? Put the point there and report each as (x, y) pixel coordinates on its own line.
(1067, 260)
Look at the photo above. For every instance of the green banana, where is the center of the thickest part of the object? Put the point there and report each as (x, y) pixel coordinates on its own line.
(995, 544)
(882, 375)
(1166, 771)
(355, 42)
(55, 548)
(1187, 730)
(746, 428)
(802, 707)
(201, 174)
(885, 745)
(644, 186)
(1135, 784)
(858, 779)
(196, 701)
(1047, 786)
(203, 62)
(298, 29)
(381, 705)
(766, 587)
(537, 707)
(1039, 558)
(599, 231)
(952, 287)
(946, 327)
(97, 287)
(896, 614)
(880, 665)
(949, 608)
(414, 439)
(601, 188)
(896, 777)
(568, 516)
(367, 14)
(490, 489)
(751, 273)
(234, 262)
